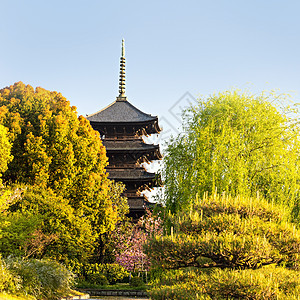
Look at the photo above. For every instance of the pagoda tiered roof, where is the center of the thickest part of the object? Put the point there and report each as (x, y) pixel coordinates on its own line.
(121, 117)
(121, 111)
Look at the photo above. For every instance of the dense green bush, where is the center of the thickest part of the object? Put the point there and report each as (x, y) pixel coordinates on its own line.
(114, 272)
(136, 281)
(97, 279)
(40, 224)
(101, 274)
(41, 278)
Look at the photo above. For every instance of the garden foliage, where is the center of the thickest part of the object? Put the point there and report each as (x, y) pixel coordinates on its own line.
(238, 237)
(40, 279)
(267, 283)
(38, 223)
(99, 274)
(5, 150)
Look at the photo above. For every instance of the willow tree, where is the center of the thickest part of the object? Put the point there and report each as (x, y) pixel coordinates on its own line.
(236, 143)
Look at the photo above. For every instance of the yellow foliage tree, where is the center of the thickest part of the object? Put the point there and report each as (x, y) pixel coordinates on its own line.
(5, 147)
(53, 148)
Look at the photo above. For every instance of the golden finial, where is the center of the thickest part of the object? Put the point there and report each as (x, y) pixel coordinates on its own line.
(122, 96)
(123, 48)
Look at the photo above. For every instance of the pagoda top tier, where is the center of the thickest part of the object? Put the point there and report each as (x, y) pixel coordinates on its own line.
(121, 118)
(121, 111)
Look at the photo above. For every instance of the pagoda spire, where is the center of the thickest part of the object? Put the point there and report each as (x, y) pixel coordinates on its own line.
(122, 96)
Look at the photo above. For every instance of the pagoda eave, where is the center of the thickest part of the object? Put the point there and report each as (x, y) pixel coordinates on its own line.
(131, 179)
(141, 156)
(133, 128)
(131, 145)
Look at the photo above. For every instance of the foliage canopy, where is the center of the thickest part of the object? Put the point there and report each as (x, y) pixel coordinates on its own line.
(5, 148)
(57, 201)
(53, 148)
(235, 143)
(40, 224)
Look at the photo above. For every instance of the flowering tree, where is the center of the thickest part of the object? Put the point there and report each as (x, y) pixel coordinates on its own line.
(129, 246)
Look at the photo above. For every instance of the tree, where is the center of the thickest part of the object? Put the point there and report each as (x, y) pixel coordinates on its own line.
(227, 248)
(237, 143)
(39, 224)
(5, 147)
(130, 243)
(53, 148)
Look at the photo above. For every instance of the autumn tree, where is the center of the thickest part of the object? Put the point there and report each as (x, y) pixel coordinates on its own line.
(5, 148)
(57, 157)
(53, 148)
(236, 143)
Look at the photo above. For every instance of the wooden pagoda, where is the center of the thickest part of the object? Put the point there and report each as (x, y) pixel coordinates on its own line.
(122, 127)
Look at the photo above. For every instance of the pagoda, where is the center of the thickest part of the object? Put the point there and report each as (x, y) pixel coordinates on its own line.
(122, 127)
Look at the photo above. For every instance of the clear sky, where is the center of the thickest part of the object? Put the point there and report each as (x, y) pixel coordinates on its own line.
(172, 47)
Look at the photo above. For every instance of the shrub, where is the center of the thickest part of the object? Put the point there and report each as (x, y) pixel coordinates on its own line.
(97, 278)
(42, 279)
(136, 281)
(228, 232)
(266, 283)
(249, 244)
(115, 272)
(97, 273)
(9, 283)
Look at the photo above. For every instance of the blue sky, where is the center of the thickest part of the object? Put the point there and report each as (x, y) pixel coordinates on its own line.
(172, 47)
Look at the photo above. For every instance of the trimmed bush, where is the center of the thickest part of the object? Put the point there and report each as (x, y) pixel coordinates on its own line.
(97, 278)
(226, 232)
(136, 281)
